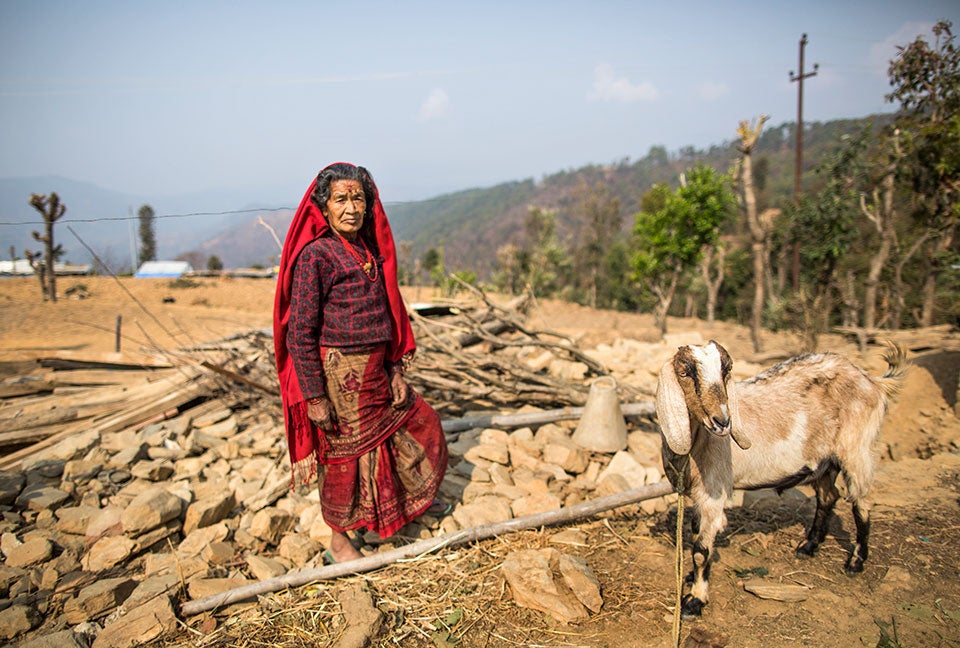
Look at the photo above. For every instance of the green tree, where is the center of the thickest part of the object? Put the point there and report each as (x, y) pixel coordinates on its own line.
(672, 229)
(545, 257)
(824, 226)
(601, 221)
(148, 238)
(214, 263)
(926, 81)
(433, 262)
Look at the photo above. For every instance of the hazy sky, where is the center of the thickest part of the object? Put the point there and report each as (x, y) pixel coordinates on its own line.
(167, 98)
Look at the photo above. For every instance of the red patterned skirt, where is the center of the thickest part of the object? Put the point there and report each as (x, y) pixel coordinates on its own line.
(382, 467)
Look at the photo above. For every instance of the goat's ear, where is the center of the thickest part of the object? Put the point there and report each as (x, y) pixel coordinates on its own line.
(672, 411)
(736, 425)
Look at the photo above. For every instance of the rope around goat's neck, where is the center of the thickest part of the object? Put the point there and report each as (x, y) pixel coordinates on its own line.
(679, 557)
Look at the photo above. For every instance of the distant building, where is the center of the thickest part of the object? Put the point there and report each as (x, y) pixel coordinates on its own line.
(169, 269)
(18, 267)
(22, 267)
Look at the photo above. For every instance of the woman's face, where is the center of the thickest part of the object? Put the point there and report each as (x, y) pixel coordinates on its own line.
(346, 207)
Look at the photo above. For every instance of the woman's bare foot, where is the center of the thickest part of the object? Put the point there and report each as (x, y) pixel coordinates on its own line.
(342, 549)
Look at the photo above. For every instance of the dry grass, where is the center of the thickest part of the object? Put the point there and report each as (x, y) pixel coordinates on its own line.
(455, 598)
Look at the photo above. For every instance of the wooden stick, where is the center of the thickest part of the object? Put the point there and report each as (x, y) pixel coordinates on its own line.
(537, 418)
(422, 547)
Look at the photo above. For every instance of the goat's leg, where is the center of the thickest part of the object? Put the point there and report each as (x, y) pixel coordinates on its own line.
(712, 521)
(861, 517)
(827, 495)
(695, 532)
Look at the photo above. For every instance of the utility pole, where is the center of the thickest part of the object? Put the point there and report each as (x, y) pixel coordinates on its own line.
(798, 163)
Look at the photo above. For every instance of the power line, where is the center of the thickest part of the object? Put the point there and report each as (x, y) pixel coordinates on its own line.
(216, 213)
(128, 218)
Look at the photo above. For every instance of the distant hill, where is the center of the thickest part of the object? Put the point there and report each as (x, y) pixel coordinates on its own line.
(100, 217)
(469, 225)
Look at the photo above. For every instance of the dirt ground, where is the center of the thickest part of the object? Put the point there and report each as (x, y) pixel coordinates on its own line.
(908, 595)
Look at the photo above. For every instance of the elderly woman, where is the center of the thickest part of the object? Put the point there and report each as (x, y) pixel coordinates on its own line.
(342, 340)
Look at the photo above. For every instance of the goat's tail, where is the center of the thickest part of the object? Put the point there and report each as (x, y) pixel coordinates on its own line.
(892, 381)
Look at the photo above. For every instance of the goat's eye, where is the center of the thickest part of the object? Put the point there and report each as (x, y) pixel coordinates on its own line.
(682, 373)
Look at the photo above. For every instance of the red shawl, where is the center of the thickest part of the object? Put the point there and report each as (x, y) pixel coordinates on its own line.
(304, 441)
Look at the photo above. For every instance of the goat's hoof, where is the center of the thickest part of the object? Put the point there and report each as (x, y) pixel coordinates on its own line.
(807, 550)
(854, 566)
(691, 608)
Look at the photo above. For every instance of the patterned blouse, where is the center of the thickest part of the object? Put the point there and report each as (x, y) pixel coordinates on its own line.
(334, 303)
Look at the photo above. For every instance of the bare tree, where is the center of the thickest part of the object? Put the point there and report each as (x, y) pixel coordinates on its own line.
(35, 259)
(713, 265)
(51, 209)
(881, 212)
(759, 230)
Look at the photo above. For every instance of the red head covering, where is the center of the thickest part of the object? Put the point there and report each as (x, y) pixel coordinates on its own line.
(308, 224)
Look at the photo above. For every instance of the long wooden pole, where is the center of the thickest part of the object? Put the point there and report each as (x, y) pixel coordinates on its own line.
(643, 408)
(423, 547)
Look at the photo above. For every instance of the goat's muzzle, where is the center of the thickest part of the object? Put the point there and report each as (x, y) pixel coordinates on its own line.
(719, 424)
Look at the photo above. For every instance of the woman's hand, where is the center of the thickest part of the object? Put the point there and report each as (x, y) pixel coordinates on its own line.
(399, 389)
(320, 411)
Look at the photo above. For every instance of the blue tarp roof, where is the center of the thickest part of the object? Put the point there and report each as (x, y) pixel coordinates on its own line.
(163, 269)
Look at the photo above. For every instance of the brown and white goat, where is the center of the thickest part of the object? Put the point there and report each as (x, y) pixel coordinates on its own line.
(803, 421)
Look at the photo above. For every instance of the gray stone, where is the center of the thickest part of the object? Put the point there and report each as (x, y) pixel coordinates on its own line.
(81, 470)
(75, 519)
(105, 522)
(263, 568)
(62, 639)
(211, 418)
(218, 553)
(492, 452)
(43, 469)
(153, 470)
(208, 510)
(484, 510)
(18, 619)
(139, 626)
(534, 504)
(150, 509)
(202, 587)
(573, 537)
(581, 580)
(625, 465)
(566, 455)
(271, 524)
(107, 552)
(129, 455)
(530, 575)
(644, 446)
(297, 548)
(31, 552)
(40, 497)
(162, 564)
(11, 483)
(222, 430)
(99, 599)
(150, 588)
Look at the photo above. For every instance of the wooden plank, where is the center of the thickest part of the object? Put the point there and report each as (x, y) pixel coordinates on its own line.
(100, 359)
(128, 418)
(25, 388)
(95, 377)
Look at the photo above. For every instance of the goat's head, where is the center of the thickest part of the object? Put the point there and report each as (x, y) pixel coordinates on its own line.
(696, 386)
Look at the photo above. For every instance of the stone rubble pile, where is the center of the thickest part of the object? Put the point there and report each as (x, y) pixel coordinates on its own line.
(104, 534)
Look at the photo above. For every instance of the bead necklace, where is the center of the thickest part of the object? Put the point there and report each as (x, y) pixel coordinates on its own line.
(368, 266)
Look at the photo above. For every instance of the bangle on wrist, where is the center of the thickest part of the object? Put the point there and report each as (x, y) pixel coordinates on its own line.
(315, 401)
